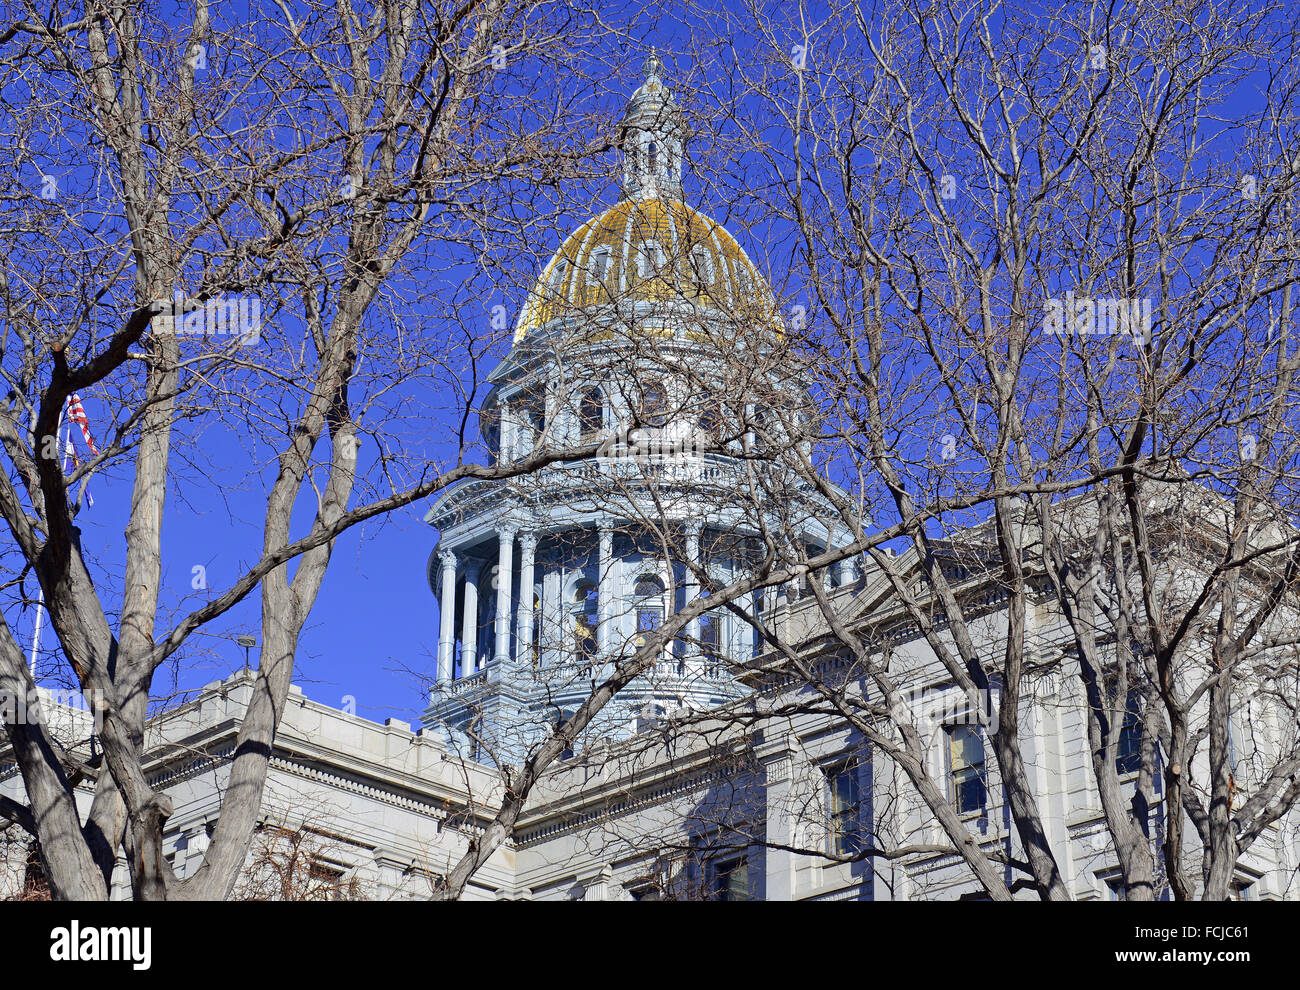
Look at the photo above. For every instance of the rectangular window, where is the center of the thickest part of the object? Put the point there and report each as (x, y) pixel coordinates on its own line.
(1128, 750)
(650, 260)
(731, 880)
(591, 414)
(845, 809)
(966, 769)
(557, 276)
(1128, 753)
(701, 269)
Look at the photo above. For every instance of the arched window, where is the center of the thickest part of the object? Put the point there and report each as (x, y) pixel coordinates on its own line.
(710, 421)
(652, 153)
(648, 584)
(654, 404)
(649, 594)
(585, 612)
(591, 414)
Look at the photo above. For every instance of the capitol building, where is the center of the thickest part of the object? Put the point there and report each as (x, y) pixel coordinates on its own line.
(633, 339)
(714, 772)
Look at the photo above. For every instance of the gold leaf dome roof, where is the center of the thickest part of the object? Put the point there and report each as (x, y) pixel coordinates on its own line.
(645, 249)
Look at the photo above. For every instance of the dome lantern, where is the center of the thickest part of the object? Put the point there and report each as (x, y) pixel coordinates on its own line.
(652, 137)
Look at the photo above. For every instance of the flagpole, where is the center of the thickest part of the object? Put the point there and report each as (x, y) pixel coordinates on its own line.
(36, 635)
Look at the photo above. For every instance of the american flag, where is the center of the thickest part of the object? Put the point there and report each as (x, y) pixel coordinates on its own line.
(71, 462)
(77, 414)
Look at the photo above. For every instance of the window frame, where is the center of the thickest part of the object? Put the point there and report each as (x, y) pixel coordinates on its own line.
(650, 258)
(598, 268)
(558, 275)
(651, 604)
(980, 770)
(720, 873)
(711, 647)
(655, 415)
(1128, 746)
(844, 841)
(584, 633)
(702, 271)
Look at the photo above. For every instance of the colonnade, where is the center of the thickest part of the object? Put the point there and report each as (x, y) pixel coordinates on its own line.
(521, 614)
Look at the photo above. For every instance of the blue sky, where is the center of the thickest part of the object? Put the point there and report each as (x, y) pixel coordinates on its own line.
(375, 620)
(374, 627)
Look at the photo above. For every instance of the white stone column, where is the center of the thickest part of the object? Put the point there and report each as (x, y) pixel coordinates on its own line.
(778, 768)
(692, 588)
(527, 550)
(505, 574)
(507, 442)
(447, 621)
(771, 601)
(605, 587)
(469, 622)
(846, 571)
(552, 612)
(742, 633)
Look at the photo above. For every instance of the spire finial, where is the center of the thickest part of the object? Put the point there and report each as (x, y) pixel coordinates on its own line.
(653, 67)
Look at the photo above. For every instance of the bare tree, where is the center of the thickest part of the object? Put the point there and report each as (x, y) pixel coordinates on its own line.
(951, 201)
(350, 172)
(1043, 272)
(1050, 270)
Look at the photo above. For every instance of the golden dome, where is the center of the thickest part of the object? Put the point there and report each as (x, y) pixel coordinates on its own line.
(645, 249)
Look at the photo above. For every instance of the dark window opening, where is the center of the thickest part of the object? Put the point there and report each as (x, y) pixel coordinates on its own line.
(654, 406)
(731, 880)
(591, 414)
(968, 788)
(649, 592)
(586, 618)
(845, 809)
